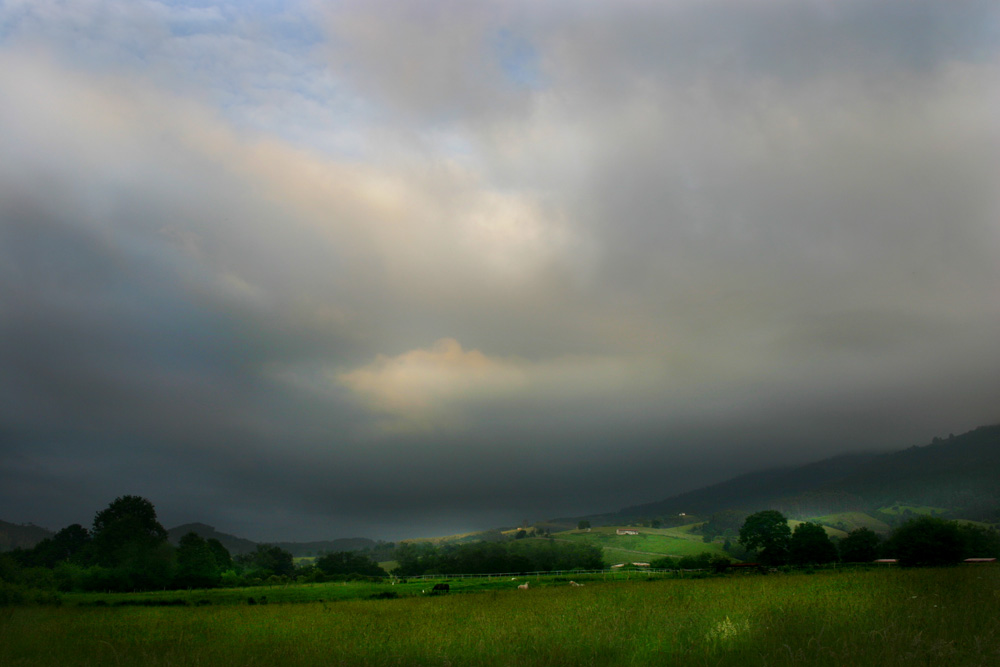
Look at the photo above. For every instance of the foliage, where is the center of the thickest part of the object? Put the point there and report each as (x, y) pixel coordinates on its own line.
(70, 543)
(267, 560)
(526, 555)
(768, 533)
(810, 544)
(583, 525)
(926, 540)
(223, 559)
(126, 526)
(131, 544)
(197, 566)
(860, 546)
(345, 563)
(726, 523)
(978, 541)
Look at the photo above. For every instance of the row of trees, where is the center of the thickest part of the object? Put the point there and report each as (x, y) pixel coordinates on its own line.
(922, 540)
(491, 557)
(127, 549)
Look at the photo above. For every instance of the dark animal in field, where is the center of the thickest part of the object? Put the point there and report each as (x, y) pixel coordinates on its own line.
(441, 588)
(251, 601)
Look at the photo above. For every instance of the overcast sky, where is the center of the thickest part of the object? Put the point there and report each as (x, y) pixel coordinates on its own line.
(306, 270)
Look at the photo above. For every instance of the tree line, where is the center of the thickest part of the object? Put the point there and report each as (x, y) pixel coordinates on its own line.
(923, 540)
(418, 558)
(127, 549)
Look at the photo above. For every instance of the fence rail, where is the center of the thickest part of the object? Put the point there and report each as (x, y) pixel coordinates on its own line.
(545, 573)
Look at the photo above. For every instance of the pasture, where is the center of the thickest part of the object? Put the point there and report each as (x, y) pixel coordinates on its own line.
(865, 617)
(649, 543)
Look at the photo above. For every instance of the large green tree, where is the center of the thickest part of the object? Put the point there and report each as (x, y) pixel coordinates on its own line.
(197, 566)
(346, 563)
(979, 541)
(926, 540)
(768, 534)
(810, 545)
(223, 559)
(268, 559)
(128, 539)
(860, 546)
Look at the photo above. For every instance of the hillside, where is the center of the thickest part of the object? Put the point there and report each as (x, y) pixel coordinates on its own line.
(235, 545)
(239, 545)
(17, 536)
(327, 546)
(649, 543)
(961, 473)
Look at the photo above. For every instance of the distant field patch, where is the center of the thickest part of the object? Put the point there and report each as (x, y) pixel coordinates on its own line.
(830, 530)
(897, 510)
(650, 542)
(848, 521)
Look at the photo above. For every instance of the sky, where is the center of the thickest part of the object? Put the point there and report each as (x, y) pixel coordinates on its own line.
(306, 270)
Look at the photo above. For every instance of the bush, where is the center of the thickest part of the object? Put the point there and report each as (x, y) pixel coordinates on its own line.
(926, 541)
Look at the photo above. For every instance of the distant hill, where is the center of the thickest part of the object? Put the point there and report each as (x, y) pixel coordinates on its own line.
(235, 545)
(326, 546)
(26, 536)
(960, 472)
(239, 545)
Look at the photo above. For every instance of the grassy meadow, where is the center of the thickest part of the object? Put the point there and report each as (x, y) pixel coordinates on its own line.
(865, 617)
(649, 543)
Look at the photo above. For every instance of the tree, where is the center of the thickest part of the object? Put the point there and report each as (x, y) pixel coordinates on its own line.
(69, 543)
(129, 522)
(269, 559)
(769, 533)
(979, 541)
(926, 540)
(196, 564)
(223, 559)
(583, 525)
(128, 540)
(860, 546)
(810, 544)
(346, 563)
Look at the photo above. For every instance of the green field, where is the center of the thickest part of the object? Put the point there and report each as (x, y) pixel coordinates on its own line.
(868, 617)
(830, 530)
(649, 543)
(915, 509)
(849, 521)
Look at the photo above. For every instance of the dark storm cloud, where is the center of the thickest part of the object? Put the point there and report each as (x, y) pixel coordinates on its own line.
(302, 285)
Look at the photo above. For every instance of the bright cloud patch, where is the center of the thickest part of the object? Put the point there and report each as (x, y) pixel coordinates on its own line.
(430, 387)
(422, 385)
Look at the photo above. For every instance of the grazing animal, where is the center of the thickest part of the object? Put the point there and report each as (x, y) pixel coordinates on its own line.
(573, 583)
(441, 588)
(524, 586)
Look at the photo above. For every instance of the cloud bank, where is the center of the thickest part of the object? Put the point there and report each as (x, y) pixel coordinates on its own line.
(387, 269)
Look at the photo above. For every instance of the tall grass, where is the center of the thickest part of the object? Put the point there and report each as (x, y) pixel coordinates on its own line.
(893, 617)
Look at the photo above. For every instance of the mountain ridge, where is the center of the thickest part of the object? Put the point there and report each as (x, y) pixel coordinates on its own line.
(961, 472)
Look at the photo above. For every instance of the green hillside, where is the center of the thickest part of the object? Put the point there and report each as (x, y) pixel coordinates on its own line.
(830, 530)
(848, 521)
(650, 543)
(955, 476)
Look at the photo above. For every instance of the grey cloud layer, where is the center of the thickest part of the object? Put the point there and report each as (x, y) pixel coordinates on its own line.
(528, 252)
